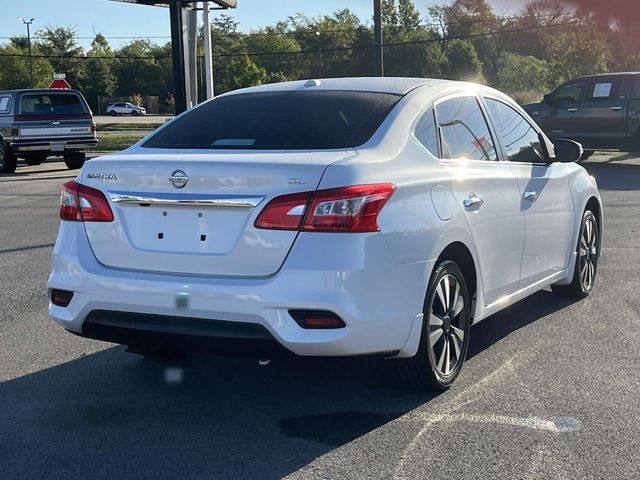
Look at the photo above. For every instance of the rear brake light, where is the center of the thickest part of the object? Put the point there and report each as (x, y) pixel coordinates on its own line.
(345, 209)
(79, 203)
(93, 129)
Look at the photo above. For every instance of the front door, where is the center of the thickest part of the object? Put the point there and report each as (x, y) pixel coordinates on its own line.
(566, 120)
(543, 190)
(486, 190)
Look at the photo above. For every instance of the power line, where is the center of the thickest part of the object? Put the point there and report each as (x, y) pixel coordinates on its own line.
(300, 52)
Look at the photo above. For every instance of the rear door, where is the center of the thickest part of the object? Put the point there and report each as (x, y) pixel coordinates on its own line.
(486, 190)
(604, 112)
(543, 194)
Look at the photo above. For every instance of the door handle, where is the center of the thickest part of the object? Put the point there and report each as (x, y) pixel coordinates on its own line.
(572, 110)
(531, 196)
(616, 109)
(472, 201)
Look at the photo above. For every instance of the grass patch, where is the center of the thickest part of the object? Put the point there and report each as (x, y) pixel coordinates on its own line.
(132, 127)
(115, 142)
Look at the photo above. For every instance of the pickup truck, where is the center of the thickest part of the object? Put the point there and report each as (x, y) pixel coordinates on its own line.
(602, 112)
(35, 124)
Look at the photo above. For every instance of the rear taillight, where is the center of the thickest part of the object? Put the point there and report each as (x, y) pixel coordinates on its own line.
(61, 298)
(345, 209)
(316, 319)
(93, 129)
(79, 203)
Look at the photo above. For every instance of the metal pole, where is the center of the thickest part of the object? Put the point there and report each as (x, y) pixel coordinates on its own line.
(30, 56)
(379, 50)
(178, 53)
(208, 51)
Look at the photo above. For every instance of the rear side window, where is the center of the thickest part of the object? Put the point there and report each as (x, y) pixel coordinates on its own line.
(5, 103)
(51, 103)
(520, 139)
(463, 130)
(427, 133)
(605, 90)
(279, 120)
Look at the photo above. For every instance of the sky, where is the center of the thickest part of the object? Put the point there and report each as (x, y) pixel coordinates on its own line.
(115, 19)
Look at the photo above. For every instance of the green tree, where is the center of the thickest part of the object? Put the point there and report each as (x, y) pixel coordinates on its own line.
(463, 62)
(14, 68)
(100, 78)
(526, 78)
(60, 45)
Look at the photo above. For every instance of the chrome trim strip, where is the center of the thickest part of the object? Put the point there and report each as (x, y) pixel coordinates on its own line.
(188, 200)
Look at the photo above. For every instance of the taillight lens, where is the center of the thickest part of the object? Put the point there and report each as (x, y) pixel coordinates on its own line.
(79, 203)
(345, 209)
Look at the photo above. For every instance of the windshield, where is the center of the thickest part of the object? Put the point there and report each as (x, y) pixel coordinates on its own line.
(279, 120)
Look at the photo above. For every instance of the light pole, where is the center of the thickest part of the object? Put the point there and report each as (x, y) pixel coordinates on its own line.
(319, 55)
(28, 24)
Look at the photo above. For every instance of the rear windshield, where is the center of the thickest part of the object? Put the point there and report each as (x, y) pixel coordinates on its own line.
(279, 120)
(58, 103)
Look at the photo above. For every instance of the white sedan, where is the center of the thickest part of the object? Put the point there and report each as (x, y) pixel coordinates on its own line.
(371, 216)
(125, 108)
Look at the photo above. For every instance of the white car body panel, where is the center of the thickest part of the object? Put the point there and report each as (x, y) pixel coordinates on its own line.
(376, 282)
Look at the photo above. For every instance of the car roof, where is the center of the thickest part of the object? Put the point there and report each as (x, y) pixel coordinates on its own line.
(39, 90)
(393, 85)
(612, 74)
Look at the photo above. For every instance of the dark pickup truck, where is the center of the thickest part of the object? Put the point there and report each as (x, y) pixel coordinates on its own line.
(35, 124)
(602, 112)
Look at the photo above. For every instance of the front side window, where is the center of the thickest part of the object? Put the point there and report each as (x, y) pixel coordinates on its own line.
(571, 92)
(5, 103)
(464, 132)
(520, 139)
(51, 103)
(285, 120)
(427, 133)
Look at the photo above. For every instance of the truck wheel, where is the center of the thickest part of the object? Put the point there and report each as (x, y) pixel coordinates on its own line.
(35, 158)
(8, 161)
(74, 160)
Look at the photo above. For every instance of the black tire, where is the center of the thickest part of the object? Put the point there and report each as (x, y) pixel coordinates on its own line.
(135, 113)
(35, 158)
(587, 154)
(445, 332)
(113, 113)
(8, 161)
(587, 256)
(74, 160)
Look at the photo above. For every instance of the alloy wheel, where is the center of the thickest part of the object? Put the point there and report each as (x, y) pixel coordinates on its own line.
(588, 252)
(447, 326)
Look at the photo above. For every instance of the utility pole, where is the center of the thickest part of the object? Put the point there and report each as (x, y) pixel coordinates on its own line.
(377, 27)
(318, 55)
(208, 51)
(28, 24)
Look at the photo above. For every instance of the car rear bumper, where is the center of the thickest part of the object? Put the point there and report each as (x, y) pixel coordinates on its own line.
(380, 301)
(53, 145)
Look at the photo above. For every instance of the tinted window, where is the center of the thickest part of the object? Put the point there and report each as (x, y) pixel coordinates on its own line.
(519, 138)
(605, 90)
(426, 132)
(279, 120)
(5, 103)
(58, 103)
(571, 92)
(463, 130)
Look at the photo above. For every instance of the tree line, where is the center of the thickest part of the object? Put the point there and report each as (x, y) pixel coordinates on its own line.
(524, 54)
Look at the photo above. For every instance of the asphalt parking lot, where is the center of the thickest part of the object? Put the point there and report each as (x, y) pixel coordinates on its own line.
(551, 388)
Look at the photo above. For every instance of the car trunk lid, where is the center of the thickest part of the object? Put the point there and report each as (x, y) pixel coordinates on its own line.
(194, 213)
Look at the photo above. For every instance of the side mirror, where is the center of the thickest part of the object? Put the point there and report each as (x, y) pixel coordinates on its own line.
(567, 151)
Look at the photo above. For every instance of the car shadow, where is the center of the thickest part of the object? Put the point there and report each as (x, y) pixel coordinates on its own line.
(612, 175)
(116, 415)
